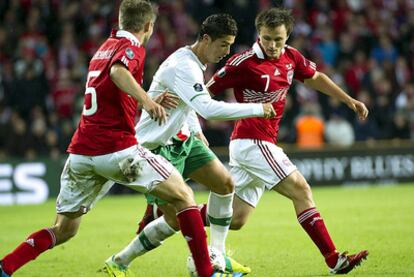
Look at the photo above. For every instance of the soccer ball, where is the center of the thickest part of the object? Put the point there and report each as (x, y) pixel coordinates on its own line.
(216, 259)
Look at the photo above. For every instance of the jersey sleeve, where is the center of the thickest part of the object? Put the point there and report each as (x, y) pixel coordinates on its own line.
(130, 56)
(190, 88)
(229, 76)
(193, 123)
(305, 68)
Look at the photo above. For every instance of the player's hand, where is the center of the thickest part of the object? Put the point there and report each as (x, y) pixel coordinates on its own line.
(269, 111)
(155, 111)
(167, 100)
(359, 108)
(201, 137)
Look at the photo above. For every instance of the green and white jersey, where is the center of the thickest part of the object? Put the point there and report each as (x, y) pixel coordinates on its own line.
(182, 74)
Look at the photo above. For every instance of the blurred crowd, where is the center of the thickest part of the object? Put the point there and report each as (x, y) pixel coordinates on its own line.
(367, 47)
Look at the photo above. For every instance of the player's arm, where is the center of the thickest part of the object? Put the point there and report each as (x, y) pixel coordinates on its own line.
(211, 109)
(124, 80)
(194, 93)
(321, 82)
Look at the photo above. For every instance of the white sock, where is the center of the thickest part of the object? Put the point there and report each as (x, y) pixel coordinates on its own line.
(151, 237)
(220, 212)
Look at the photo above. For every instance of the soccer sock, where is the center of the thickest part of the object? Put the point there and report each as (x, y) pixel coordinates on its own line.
(191, 226)
(220, 212)
(203, 212)
(151, 237)
(313, 224)
(34, 245)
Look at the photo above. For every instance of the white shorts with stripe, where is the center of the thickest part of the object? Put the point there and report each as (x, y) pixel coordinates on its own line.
(255, 166)
(86, 179)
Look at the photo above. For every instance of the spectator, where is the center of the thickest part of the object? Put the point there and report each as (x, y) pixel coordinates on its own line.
(338, 131)
(400, 126)
(310, 127)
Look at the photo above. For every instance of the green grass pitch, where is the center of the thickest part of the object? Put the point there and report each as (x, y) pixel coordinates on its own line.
(377, 218)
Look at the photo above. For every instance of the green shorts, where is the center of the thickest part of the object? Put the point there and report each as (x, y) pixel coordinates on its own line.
(186, 156)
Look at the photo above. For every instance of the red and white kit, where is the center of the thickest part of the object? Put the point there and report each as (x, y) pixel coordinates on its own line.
(257, 162)
(106, 135)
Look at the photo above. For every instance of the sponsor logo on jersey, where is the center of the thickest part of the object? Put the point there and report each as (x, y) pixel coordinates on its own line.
(221, 73)
(198, 87)
(129, 53)
(277, 72)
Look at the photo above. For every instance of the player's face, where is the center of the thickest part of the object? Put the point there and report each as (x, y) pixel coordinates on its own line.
(219, 48)
(273, 40)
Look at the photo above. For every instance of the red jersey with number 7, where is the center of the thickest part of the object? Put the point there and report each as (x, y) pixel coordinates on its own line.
(107, 121)
(257, 79)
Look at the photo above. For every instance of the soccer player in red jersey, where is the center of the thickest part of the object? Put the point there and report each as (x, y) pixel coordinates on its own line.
(264, 74)
(104, 147)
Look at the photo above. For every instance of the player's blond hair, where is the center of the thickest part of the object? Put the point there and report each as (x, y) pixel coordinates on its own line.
(275, 17)
(133, 14)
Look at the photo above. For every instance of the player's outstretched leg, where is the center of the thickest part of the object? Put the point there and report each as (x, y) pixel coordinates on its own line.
(180, 196)
(33, 246)
(298, 190)
(40, 241)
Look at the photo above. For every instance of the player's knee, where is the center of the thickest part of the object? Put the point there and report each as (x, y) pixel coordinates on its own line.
(184, 197)
(237, 223)
(302, 191)
(228, 185)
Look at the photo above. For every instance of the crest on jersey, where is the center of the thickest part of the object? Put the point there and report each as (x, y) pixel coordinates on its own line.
(129, 53)
(221, 73)
(198, 87)
(289, 76)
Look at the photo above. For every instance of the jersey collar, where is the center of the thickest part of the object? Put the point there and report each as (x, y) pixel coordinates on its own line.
(202, 66)
(127, 35)
(257, 49)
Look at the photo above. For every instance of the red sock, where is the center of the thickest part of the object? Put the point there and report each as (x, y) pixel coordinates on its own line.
(34, 245)
(203, 212)
(191, 226)
(313, 224)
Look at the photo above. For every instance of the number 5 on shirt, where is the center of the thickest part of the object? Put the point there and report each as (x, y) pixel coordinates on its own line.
(91, 90)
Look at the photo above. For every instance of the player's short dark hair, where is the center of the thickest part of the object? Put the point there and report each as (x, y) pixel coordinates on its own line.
(133, 14)
(218, 26)
(275, 17)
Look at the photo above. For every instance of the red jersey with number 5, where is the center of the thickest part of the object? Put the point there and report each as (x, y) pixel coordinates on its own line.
(107, 121)
(257, 79)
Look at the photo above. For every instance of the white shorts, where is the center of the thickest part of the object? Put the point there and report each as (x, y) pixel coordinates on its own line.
(86, 179)
(255, 166)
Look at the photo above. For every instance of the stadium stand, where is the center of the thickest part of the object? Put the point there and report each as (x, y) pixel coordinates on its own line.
(45, 45)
